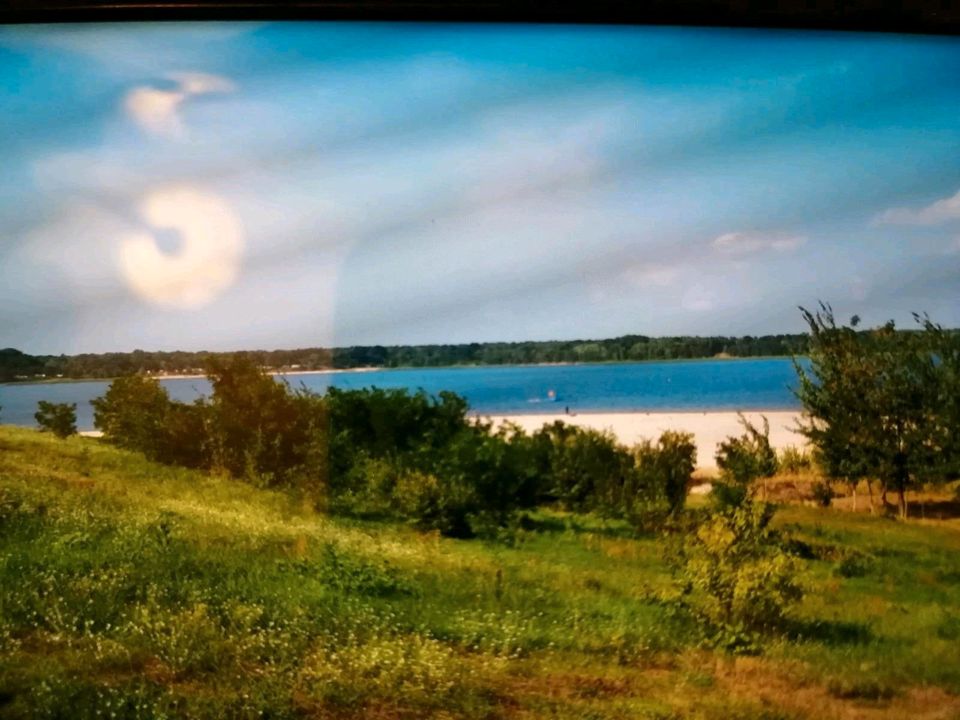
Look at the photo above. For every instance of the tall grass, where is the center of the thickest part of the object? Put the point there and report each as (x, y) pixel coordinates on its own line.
(134, 590)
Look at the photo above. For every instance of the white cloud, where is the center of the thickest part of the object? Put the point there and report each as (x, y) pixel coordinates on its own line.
(158, 111)
(937, 213)
(748, 243)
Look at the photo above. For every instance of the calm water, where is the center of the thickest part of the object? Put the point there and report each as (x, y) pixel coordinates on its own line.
(686, 385)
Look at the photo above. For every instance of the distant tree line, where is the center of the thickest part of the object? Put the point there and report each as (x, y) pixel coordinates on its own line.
(18, 365)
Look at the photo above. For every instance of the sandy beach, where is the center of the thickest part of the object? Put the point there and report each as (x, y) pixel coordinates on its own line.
(708, 428)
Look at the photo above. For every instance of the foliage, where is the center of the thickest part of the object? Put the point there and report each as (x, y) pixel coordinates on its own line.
(743, 460)
(375, 452)
(583, 468)
(418, 457)
(162, 592)
(258, 428)
(663, 472)
(134, 414)
(794, 461)
(58, 418)
(390, 424)
(736, 575)
(881, 403)
(822, 493)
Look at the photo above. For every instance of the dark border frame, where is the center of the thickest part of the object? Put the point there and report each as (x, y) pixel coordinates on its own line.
(912, 16)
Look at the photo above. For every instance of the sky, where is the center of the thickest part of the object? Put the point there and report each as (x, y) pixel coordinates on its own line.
(229, 186)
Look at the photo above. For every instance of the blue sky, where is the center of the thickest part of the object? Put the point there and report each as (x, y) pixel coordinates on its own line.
(228, 186)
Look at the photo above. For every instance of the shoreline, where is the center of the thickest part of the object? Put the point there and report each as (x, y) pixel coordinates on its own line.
(185, 376)
(464, 366)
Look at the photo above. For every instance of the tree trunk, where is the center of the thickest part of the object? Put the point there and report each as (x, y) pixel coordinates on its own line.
(854, 497)
(873, 510)
(902, 497)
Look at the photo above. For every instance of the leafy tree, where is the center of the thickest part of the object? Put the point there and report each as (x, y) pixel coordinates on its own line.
(134, 414)
(58, 418)
(880, 403)
(256, 426)
(183, 439)
(137, 414)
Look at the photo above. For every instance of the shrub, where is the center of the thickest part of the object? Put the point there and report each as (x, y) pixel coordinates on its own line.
(414, 669)
(853, 564)
(258, 428)
(482, 476)
(369, 487)
(133, 413)
(663, 472)
(58, 418)
(583, 469)
(822, 493)
(390, 423)
(738, 578)
(743, 460)
(437, 504)
(794, 460)
(183, 438)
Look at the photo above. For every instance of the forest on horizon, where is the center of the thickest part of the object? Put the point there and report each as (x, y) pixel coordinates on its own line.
(16, 365)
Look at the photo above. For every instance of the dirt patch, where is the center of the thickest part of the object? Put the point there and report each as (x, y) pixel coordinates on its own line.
(754, 679)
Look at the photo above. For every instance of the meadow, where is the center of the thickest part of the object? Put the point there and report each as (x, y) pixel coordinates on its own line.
(130, 589)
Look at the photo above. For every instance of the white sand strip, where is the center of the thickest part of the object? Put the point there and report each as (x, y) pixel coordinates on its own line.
(708, 428)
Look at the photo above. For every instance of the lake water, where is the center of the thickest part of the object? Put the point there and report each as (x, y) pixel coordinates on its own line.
(749, 384)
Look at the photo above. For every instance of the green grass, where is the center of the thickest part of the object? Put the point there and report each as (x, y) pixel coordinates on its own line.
(133, 590)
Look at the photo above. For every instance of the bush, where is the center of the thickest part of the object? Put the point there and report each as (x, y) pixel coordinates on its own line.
(437, 504)
(132, 414)
(583, 469)
(853, 564)
(390, 423)
(743, 460)
(483, 477)
(822, 493)
(183, 438)
(663, 473)
(739, 580)
(58, 418)
(259, 429)
(794, 460)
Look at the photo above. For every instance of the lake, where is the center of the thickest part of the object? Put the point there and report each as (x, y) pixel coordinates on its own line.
(740, 384)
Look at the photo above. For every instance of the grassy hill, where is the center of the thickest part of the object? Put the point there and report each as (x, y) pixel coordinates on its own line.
(134, 590)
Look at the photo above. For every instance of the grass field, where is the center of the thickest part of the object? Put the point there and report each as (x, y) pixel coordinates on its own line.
(134, 590)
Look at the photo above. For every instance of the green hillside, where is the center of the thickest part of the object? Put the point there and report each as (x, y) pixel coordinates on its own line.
(135, 590)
